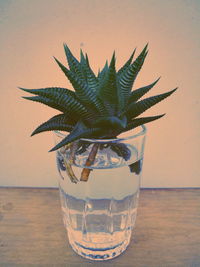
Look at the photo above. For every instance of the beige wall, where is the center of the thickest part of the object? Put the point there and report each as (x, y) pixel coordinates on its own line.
(32, 31)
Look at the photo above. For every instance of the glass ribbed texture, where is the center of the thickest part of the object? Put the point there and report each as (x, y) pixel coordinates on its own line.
(99, 214)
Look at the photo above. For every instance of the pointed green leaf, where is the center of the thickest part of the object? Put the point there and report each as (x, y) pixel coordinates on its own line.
(75, 135)
(128, 76)
(82, 57)
(92, 81)
(87, 96)
(46, 101)
(90, 77)
(68, 118)
(102, 73)
(135, 109)
(51, 92)
(108, 90)
(87, 59)
(78, 85)
(140, 121)
(59, 122)
(138, 93)
(62, 97)
(83, 63)
(126, 65)
(62, 107)
(73, 63)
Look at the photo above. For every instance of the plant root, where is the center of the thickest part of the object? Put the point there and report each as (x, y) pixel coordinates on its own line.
(68, 164)
(90, 160)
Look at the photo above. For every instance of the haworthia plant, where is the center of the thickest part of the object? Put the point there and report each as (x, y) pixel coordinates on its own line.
(101, 106)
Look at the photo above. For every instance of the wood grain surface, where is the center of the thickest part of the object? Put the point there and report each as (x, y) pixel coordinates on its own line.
(167, 230)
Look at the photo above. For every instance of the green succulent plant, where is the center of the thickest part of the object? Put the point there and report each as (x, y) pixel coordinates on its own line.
(101, 106)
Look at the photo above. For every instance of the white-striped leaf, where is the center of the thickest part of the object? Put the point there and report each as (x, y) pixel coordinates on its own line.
(61, 122)
(138, 93)
(135, 109)
(128, 76)
(87, 96)
(126, 65)
(140, 121)
(108, 90)
(74, 64)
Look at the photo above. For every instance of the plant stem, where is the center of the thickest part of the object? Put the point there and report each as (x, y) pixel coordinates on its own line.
(90, 160)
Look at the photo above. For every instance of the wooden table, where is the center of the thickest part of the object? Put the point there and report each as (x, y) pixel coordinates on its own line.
(167, 230)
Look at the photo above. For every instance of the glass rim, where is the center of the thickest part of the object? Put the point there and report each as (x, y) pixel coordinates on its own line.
(111, 140)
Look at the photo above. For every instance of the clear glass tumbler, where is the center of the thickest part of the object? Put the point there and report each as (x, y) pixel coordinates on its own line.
(99, 186)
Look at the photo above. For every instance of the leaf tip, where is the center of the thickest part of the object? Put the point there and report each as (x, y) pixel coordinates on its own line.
(23, 89)
(51, 150)
(112, 62)
(55, 59)
(172, 91)
(146, 46)
(154, 83)
(33, 133)
(132, 55)
(81, 53)
(162, 115)
(65, 46)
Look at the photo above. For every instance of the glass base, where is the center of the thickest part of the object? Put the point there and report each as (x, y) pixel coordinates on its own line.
(96, 253)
